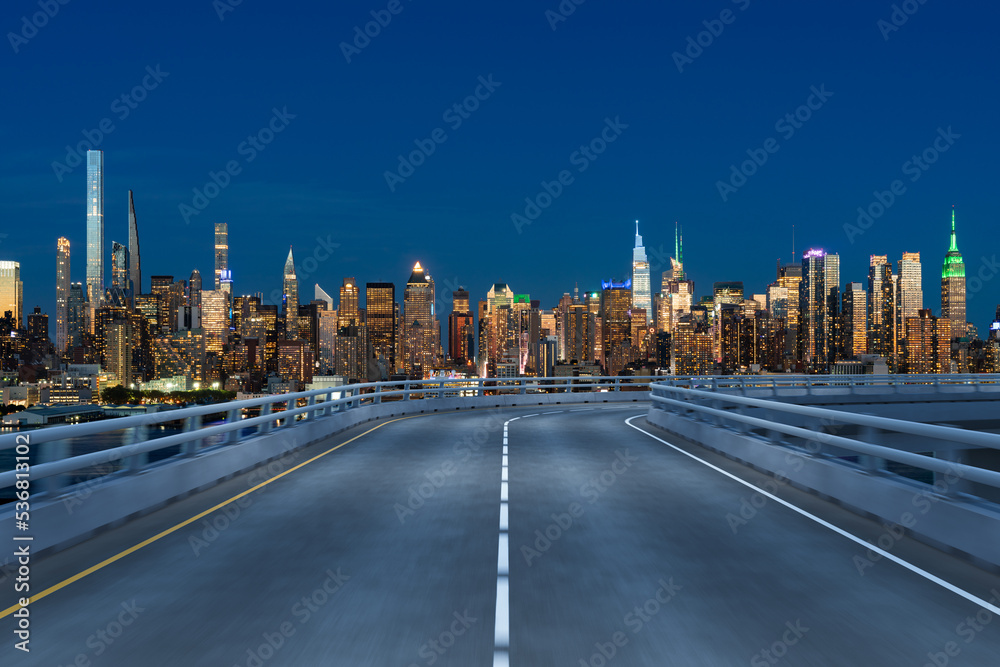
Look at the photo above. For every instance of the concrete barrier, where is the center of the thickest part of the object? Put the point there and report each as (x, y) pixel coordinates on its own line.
(965, 527)
(79, 511)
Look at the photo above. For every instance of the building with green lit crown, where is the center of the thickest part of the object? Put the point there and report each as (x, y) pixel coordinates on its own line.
(953, 286)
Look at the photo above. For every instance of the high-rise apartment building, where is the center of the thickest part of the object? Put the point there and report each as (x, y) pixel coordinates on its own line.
(927, 347)
(62, 294)
(819, 308)
(121, 284)
(215, 319)
(616, 306)
(953, 286)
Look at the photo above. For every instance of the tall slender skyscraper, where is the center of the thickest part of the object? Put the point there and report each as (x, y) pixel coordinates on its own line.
(11, 290)
(953, 286)
(62, 294)
(641, 294)
(290, 298)
(95, 228)
(221, 252)
(135, 270)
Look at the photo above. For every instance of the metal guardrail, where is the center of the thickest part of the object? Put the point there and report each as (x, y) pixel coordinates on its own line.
(725, 409)
(979, 382)
(51, 444)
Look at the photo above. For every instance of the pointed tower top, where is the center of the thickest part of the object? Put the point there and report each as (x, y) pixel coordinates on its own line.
(417, 267)
(638, 239)
(289, 263)
(954, 240)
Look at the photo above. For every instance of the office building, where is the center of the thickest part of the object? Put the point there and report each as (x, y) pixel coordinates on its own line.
(62, 294)
(854, 321)
(12, 291)
(135, 268)
(380, 307)
(953, 286)
(641, 293)
(290, 298)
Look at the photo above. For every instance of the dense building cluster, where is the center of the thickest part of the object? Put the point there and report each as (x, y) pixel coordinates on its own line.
(181, 334)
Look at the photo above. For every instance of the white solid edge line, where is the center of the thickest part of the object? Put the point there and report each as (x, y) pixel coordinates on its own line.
(826, 524)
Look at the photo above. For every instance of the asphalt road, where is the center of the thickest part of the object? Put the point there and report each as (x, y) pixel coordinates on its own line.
(622, 551)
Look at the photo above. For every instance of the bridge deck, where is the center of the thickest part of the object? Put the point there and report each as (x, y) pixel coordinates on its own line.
(384, 551)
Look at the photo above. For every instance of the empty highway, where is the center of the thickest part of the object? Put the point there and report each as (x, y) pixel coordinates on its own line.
(384, 545)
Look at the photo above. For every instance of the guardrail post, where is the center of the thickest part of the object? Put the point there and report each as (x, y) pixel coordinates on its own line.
(311, 413)
(522, 386)
(873, 465)
(406, 390)
(48, 452)
(191, 447)
(345, 406)
(377, 398)
(266, 426)
(134, 436)
(232, 417)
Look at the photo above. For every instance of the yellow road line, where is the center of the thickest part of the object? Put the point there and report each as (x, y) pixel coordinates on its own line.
(108, 561)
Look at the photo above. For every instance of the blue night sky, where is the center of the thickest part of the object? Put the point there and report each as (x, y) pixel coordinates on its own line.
(323, 175)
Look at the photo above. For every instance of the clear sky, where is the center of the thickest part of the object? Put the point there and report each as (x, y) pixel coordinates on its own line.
(678, 125)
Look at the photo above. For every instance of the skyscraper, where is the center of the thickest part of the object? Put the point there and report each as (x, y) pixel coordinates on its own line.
(11, 290)
(76, 315)
(195, 289)
(616, 306)
(121, 291)
(215, 319)
(95, 228)
(221, 252)
(819, 308)
(909, 294)
(854, 321)
(380, 304)
(953, 286)
(641, 294)
(290, 298)
(461, 336)
(878, 340)
(135, 269)
(421, 330)
(62, 294)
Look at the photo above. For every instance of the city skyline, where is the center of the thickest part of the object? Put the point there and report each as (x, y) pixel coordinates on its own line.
(679, 128)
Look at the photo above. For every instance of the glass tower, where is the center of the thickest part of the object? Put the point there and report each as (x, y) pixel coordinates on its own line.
(95, 228)
(135, 272)
(641, 294)
(11, 290)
